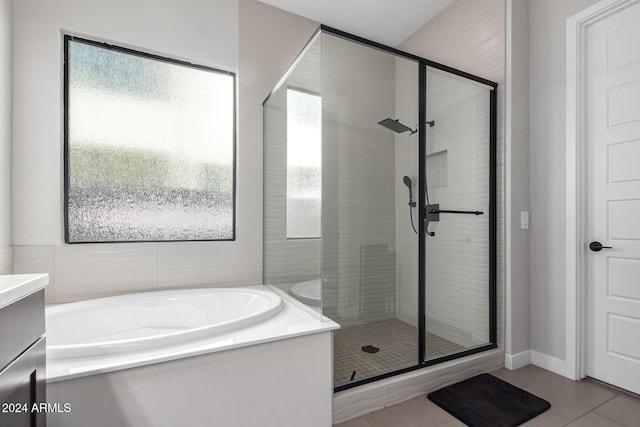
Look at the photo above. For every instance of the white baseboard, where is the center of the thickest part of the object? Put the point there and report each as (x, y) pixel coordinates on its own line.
(516, 361)
(550, 363)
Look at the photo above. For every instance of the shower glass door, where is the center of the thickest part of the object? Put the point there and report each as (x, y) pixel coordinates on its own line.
(459, 238)
(369, 247)
(379, 204)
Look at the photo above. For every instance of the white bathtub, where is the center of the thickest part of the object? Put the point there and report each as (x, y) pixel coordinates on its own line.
(143, 362)
(139, 322)
(309, 292)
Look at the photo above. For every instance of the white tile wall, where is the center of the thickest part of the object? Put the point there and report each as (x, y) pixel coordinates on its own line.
(406, 154)
(197, 263)
(471, 36)
(82, 271)
(355, 402)
(270, 40)
(6, 260)
(358, 206)
(287, 261)
(458, 255)
(40, 259)
(89, 271)
(249, 271)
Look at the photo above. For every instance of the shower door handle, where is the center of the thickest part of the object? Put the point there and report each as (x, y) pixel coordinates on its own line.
(426, 230)
(432, 214)
(462, 212)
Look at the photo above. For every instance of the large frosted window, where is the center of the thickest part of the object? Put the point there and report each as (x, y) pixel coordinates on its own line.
(150, 147)
(304, 153)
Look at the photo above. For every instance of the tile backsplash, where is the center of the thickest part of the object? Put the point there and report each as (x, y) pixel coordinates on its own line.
(79, 272)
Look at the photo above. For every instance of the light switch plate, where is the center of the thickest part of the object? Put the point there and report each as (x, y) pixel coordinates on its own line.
(524, 220)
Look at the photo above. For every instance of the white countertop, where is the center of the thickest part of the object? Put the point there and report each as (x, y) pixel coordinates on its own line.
(16, 286)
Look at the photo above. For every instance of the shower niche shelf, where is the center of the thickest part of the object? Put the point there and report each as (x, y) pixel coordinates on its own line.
(437, 169)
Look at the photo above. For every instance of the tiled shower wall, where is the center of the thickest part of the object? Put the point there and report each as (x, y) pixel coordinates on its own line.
(287, 261)
(457, 257)
(406, 155)
(356, 255)
(78, 272)
(471, 36)
(359, 236)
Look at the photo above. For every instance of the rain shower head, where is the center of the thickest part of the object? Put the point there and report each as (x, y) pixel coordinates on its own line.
(396, 126)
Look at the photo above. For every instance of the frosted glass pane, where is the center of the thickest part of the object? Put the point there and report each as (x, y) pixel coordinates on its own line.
(150, 148)
(304, 157)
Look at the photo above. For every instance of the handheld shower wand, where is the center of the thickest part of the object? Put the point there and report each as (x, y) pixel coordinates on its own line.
(407, 182)
(412, 204)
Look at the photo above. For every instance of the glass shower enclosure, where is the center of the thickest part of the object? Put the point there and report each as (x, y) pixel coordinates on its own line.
(379, 203)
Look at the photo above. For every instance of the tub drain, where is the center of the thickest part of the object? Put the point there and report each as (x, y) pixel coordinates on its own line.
(370, 349)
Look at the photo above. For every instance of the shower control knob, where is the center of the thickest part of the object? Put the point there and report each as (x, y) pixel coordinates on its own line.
(597, 246)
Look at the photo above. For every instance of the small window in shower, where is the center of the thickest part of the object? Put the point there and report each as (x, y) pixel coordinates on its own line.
(149, 147)
(304, 154)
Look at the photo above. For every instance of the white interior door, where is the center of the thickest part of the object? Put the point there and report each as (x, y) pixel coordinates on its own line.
(613, 198)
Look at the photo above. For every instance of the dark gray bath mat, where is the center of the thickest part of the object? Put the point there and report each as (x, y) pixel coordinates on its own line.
(486, 401)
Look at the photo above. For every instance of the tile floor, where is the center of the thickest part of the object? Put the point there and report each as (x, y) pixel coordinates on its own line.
(575, 404)
(395, 339)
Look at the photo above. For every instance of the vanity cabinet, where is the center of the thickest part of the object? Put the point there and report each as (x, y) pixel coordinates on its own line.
(23, 362)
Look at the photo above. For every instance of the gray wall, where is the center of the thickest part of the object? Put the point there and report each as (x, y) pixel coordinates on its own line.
(5, 135)
(518, 338)
(547, 122)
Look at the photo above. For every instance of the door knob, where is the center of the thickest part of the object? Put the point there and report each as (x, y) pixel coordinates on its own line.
(597, 246)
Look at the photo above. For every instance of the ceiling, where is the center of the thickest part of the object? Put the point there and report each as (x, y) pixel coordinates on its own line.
(385, 21)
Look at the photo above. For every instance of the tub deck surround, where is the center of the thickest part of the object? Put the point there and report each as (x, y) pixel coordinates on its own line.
(280, 368)
(291, 321)
(284, 383)
(16, 286)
